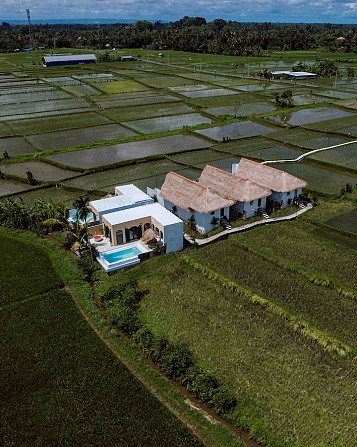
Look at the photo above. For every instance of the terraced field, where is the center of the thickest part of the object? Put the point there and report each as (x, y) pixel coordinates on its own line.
(59, 108)
(59, 378)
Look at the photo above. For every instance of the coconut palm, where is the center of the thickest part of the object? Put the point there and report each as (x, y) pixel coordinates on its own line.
(82, 211)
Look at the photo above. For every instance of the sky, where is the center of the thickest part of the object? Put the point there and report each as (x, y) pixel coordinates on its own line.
(292, 11)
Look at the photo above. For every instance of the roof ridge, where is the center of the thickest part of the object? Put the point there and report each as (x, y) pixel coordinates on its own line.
(226, 172)
(265, 166)
(189, 180)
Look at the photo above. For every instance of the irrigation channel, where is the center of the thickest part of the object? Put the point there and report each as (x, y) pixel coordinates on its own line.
(301, 157)
(193, 403)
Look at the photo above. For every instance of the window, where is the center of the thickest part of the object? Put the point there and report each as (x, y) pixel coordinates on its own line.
(259, 202)
(251, 202)
(146, 226)
(212, 213)
(119, 237)
(289, 192)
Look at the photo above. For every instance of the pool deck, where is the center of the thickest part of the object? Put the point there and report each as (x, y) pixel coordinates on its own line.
(103, 245)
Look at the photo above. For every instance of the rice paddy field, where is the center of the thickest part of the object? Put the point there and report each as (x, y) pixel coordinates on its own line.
(85, 130)
(110, 110)
(281, 378)
(139, 149)
(60, 382)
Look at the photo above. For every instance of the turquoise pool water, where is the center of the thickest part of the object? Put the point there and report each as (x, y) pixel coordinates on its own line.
(120, 255)
(73, 216)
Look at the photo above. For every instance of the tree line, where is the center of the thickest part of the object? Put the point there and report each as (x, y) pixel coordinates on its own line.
(192, 34)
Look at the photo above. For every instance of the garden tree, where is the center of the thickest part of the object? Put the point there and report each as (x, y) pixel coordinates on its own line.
(30, 178)
(325, 68)
(350, 73)
(284, 99)
(82, 211)
(267, 74)
(300, 66)
(191, 222)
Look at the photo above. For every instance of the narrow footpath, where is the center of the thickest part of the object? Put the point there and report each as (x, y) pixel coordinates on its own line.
(225, 233)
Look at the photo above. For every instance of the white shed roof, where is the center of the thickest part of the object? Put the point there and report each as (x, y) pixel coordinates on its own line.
(71, 57)
(295, 74)
(155, 210)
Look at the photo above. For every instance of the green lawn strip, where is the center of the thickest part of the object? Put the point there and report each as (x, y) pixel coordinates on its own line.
(24, 270)
(314, 277)
(298, 324)
(59, 383)
(216, 435)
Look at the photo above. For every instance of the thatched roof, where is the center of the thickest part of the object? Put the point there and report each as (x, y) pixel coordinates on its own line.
(268, 177)
(191, 195)
(149, 236)
(231, 186)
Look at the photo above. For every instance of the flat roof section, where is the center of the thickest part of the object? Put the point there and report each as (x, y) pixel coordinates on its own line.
(126, 195)
(155, 210)
(295, 74)
(72, 57)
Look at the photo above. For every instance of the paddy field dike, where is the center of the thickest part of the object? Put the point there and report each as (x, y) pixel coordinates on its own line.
(266, 317)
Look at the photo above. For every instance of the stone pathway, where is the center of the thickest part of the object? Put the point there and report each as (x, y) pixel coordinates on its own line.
(306, 154)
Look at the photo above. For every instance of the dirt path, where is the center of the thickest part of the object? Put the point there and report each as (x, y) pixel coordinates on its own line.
(137, 375)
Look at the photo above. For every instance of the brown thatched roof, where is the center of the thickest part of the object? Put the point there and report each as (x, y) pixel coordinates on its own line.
(191, 195)
(149, 236)
(268, 177)
(231, 186)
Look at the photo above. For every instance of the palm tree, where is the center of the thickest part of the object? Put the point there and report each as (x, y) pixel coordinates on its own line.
(82, 211)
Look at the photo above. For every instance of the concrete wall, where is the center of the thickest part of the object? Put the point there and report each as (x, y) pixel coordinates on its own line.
(284, 197)
(203, 220)
(173, 237)
(249, 209)
(122, 226)
(155, 192)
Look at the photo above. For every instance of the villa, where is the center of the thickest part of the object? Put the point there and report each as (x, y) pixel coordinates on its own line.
(218, 195)
(127, 226)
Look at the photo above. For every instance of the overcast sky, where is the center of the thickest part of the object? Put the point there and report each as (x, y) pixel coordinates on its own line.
(333, 11)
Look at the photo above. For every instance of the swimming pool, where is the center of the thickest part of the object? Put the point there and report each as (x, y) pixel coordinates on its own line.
(73, 216)
(122, 256)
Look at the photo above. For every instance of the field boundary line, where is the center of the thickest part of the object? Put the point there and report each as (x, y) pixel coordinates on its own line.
(135, 373)
(299, 325)
(316, 278)
(32, 298)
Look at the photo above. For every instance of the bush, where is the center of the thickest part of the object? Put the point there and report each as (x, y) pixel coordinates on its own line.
(87, 265)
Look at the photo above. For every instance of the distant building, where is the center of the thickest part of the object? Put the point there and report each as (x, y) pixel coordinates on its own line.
(294, 74)
(72, 59)
(127, 58)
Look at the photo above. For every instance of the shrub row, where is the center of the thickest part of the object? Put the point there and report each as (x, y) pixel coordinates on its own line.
(300, 325)
(121, 302)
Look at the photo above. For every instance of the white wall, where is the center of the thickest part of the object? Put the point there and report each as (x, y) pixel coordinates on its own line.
(173, 237)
